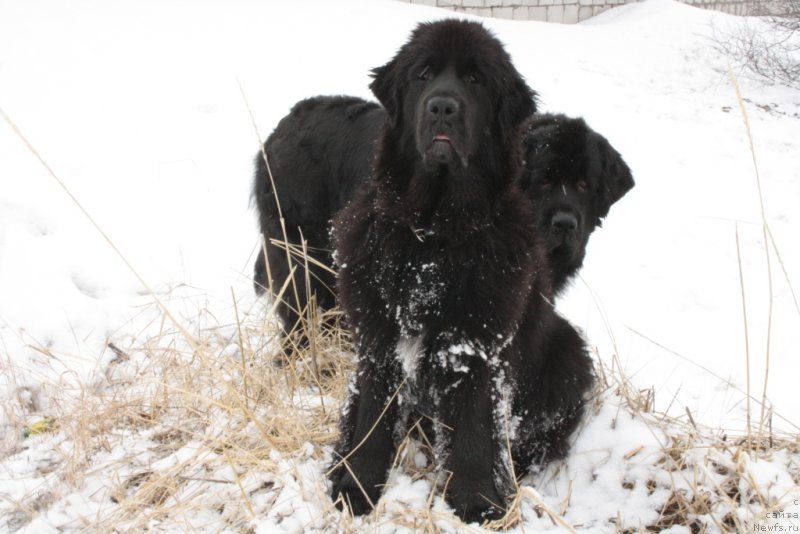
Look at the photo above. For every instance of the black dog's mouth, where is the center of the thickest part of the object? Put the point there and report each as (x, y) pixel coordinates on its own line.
(563, 256)
(560, 243)
(443, 150)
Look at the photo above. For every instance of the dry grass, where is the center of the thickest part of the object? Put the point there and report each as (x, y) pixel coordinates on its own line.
(712, 484)
(225, 432)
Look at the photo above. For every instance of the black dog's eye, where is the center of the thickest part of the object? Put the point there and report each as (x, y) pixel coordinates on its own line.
(425, 74)
(471, 78)
(583, 186)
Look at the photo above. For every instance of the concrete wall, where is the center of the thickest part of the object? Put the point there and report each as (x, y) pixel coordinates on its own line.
(566, 11)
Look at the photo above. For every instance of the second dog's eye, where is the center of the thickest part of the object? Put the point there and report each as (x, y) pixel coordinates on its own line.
(425, 74)
(471, 78)
(583, 186)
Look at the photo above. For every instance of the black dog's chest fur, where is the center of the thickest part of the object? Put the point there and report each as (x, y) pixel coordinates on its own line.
(423, 282)
(415, 280)
(427, 286)
(412, 290)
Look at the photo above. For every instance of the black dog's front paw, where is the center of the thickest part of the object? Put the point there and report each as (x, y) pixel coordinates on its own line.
(478, 506)
(347, 493)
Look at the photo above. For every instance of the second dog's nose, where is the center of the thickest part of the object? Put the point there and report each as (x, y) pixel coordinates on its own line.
(442, 106)
(564, 220)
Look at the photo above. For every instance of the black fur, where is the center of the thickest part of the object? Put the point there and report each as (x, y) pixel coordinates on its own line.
(322, 153)
(444, 279)
(316, 166)
(574, 175)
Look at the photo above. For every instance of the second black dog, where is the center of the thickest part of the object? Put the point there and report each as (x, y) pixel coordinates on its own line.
(573, 175)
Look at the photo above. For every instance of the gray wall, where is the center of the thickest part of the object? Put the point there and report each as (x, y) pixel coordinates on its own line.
(566, 11)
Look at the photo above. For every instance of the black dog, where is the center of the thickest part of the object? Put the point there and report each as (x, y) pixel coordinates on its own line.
(573, 175)
(444, 280)
(321, 153)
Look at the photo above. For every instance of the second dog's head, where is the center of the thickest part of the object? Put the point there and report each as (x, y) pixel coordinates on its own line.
(574, 175)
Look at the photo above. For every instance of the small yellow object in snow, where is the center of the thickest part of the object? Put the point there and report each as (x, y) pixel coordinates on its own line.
(38, 427)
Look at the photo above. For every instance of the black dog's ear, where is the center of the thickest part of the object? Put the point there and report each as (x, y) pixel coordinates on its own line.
(616, 176)
(385, 87)
(518, 101)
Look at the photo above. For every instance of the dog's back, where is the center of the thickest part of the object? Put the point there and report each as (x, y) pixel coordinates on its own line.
(315, 164)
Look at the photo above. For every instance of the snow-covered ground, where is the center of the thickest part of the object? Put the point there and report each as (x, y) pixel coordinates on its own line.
(141, 110)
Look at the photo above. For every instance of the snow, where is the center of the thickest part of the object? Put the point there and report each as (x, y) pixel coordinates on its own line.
(408, 354)
(141, 109)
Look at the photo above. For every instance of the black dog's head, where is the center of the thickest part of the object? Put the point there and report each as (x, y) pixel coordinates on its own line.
(452, 93)
(574, 176)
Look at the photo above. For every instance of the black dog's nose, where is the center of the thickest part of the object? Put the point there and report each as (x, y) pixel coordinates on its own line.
(564, 220)
(442, 106)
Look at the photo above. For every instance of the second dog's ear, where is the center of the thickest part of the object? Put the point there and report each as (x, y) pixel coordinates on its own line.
(616, 175)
